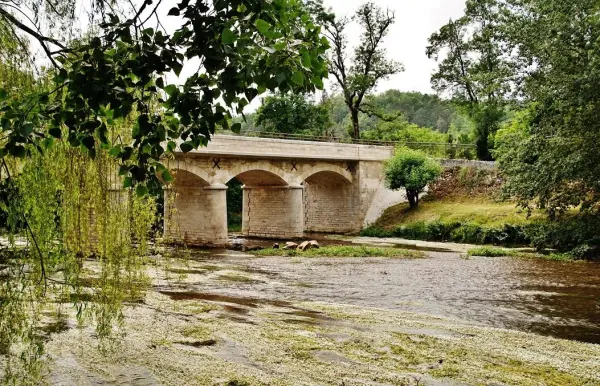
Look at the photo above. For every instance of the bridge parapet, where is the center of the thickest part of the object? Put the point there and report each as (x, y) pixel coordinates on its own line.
(229, 145)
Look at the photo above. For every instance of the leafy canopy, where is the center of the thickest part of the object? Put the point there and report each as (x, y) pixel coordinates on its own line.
(244, 49)
(412, 170)
(293, 114)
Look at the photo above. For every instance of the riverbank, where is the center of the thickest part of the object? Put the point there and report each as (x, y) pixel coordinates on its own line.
(227, 318)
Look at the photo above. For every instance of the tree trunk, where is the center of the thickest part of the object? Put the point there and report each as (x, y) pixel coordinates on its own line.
(413, 198)
(355, 127)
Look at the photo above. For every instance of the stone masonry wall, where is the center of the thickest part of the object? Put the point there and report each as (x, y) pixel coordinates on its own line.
(200, 216)
(273, 212)
(329, 208)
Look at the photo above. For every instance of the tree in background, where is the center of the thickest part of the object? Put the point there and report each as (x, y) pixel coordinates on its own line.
(369, 64)
(550, 155)
(411, 170)
(474, 71)
(293, 114)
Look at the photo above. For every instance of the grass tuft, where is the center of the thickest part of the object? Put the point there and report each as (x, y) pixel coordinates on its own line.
(343, 251)
(488, 251)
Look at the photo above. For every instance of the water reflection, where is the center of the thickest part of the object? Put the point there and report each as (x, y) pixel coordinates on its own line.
(544, 297)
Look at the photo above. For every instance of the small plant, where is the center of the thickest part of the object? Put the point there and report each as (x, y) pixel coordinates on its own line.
(412, 170)
(490, 252)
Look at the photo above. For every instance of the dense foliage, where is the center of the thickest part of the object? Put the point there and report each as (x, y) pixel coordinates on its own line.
(411, 170)
(473, 70)
(293, 114)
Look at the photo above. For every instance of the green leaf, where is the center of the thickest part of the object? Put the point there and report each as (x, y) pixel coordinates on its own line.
(186, 147)
(173, 12)
(228, 37)
(148, 31)
(262, 26)
(115, 151)
(279, 46)
(167, 177)
(305, 59)
(3, 94)
(298, 78)
(171, 89)
(141, 190)
(26, 129)
(127, 182)
(236, 127)
(55, 132)
(318, 82)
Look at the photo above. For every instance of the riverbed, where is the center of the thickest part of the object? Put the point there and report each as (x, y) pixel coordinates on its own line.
(227, 317)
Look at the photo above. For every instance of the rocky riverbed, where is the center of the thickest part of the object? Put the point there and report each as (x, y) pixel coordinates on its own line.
(229, 318)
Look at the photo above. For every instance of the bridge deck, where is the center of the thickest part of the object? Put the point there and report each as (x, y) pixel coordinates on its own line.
(228, 145)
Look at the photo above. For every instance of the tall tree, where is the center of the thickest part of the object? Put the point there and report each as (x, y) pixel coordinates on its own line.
(474, 72)
(551, 158)
(359, 76)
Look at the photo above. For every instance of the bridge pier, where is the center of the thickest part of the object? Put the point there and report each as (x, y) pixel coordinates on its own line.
(197, 215)
(273, 212)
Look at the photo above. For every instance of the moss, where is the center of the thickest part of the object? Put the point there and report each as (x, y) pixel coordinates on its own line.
(198, 332)
(343, 251)
(236, 278)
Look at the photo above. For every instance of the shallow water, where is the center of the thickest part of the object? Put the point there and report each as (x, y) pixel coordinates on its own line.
(545, 297)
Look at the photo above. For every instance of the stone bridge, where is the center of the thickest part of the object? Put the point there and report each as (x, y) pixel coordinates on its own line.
(290, 188)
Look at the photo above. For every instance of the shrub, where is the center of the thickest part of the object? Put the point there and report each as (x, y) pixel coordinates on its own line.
(412, 170)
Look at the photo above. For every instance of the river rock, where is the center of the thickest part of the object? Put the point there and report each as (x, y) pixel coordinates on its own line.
(290, 245)
(314, 244)
(304, 246)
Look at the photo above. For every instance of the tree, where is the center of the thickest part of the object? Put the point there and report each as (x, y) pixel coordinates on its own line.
(369, 64)
(245, 49)
(293, 114)
(474, 71)
(412, 170)
(550, 157)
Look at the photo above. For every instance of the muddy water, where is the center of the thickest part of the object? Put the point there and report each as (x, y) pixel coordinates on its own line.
(544, 297)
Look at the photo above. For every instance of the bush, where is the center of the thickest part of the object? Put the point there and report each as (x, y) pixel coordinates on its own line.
(412, 170)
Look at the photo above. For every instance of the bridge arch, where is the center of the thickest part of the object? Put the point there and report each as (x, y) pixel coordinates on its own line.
(330, 169)
(194, 210)
(329, 200)
(257, 174)
(190, 168)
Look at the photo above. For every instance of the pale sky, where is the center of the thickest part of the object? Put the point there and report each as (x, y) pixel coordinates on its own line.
(416, 20)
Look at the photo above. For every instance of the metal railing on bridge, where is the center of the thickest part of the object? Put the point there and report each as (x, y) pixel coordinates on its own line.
(434, 149)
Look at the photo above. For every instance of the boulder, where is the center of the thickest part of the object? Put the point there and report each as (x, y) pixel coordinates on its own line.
(290, 245)
(314, 244)
(276, 246)
(304, 246)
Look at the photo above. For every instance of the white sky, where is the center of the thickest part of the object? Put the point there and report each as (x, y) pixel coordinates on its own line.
(416, 20)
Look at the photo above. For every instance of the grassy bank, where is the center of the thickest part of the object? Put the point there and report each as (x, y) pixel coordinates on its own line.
(343, 251)
(481, 220)
(464, 220)
(488, 251)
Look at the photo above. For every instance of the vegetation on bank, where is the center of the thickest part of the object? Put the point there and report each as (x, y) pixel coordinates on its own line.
(343, 251)
(489, 251)
(464, 206)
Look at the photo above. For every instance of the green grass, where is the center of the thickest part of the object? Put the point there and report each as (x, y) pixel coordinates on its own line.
(343, 251)
(487, 251)
(478, 210)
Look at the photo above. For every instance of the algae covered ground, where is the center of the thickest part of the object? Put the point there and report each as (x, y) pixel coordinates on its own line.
(215, 322)
(343, 251)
